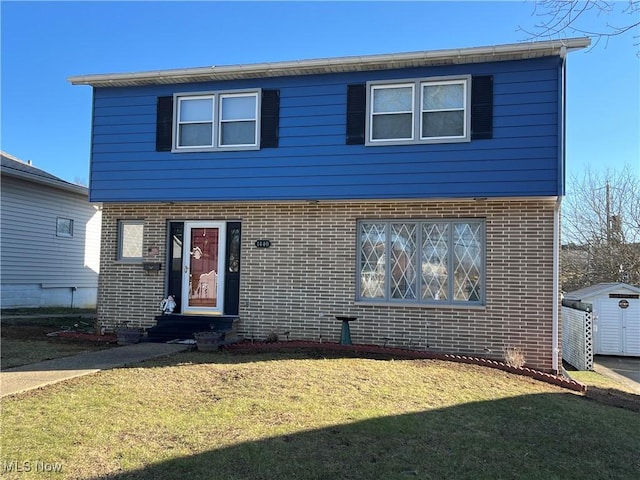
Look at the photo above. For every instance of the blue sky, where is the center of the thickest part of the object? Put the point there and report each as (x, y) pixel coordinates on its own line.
(47, 120)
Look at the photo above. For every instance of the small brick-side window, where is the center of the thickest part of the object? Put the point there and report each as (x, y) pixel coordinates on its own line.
(440, 261)
(130, 237)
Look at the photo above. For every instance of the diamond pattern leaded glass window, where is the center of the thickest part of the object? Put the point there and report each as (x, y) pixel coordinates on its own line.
(422, 261)
(435, 255)
(372, 260)
(467, 261)
(130, 240)
(403, 261)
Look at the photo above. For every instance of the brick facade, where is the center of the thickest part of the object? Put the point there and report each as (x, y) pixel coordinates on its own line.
(308, 275)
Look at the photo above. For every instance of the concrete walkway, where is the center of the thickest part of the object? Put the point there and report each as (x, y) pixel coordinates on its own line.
(625, 370)
(36, 375)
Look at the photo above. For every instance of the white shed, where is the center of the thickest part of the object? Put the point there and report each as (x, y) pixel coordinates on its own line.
(616, 310)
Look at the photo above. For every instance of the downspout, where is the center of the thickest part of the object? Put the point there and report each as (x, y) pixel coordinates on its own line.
(555, 331)
(556, 285)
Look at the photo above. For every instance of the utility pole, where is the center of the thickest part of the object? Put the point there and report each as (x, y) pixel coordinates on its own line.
(608, 207)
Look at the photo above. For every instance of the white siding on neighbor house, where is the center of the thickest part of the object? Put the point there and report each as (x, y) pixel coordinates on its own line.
(32, 254)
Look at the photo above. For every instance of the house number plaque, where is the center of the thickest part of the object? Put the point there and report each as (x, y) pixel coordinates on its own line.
(623, 304)
(263, 243)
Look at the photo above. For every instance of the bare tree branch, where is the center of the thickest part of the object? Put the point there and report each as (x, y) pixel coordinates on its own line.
(568, 17)
(601, 229)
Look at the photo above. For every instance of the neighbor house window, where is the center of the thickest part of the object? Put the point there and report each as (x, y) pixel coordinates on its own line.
(440, 261)
(419, 111)
(130, 236)
(64, 227)
(217, 120)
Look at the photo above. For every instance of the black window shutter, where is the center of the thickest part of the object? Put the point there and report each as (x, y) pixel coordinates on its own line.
(164, 124)
(356, 113)
(482, 107)
(270, 118)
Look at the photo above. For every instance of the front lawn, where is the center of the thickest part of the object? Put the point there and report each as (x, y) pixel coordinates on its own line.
(25, 334)
(289, 415)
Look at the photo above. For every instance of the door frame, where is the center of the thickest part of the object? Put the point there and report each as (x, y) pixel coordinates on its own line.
(186, 267)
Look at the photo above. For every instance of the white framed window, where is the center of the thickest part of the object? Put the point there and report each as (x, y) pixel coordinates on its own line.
(195, 122)
(64, 227)
(422, 261)
(439, 112)
(130, 240)
(392, 112)
(238, 120)
(216, 120)
(443, 110)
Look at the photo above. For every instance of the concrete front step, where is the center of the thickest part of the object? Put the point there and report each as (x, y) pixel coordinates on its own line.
(182, 327)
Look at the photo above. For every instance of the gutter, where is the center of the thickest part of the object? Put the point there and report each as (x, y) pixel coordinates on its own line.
(336, 65)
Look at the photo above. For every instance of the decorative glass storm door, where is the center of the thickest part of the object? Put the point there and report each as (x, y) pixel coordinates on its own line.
(203, 267)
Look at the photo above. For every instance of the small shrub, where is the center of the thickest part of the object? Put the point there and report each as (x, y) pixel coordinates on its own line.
(514, 357)
(272, 337)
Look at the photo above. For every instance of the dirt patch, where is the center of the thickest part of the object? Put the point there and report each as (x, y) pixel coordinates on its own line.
(615, 398)
(31, 340)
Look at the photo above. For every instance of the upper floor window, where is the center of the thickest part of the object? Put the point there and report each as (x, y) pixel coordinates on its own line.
(216, 121)
(443, 113)
(238, 120)
(195, 122)
(392, 112)
(419, 111)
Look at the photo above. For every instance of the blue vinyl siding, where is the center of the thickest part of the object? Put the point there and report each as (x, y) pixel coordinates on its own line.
(312, 160)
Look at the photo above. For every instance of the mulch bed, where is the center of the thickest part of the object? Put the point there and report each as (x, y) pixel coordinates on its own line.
(89, 337)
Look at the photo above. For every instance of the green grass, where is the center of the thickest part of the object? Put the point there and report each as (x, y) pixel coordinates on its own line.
(25, 339)
(285, 416)
(47, 311)
(24, 352)
(594, 379)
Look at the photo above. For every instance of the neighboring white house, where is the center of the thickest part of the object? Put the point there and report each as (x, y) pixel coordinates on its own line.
(49, 239)
(616, 309)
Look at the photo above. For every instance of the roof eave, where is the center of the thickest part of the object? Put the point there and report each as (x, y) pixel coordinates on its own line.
(583, 293)
(60, 184)
(336, 65)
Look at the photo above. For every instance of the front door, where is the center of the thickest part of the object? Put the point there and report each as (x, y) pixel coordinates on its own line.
(203, 258)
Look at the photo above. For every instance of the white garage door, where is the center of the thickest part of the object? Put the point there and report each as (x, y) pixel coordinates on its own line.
(618, 325)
